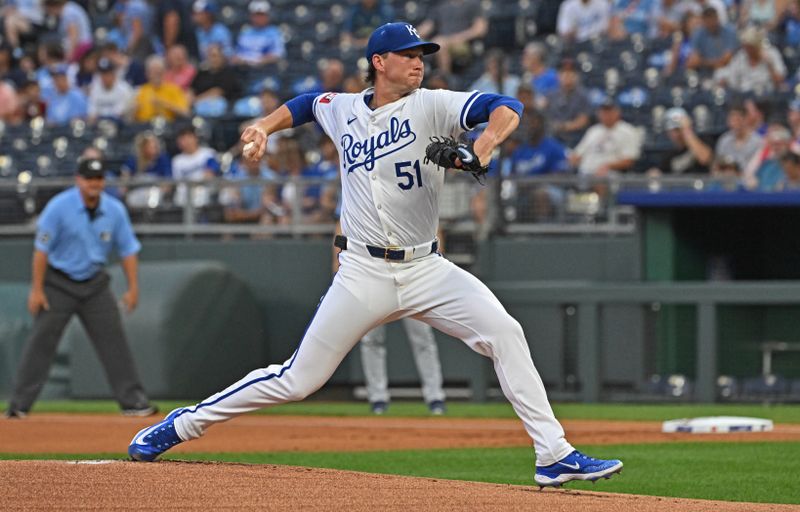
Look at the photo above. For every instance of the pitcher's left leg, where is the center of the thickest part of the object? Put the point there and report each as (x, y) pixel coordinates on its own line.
(457, 303)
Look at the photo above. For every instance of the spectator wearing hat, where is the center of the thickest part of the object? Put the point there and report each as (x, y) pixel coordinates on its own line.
(65, 102)
(568, 107)
(208, 31)
(109, 96)
(158, 98)
(740, 142)
(756, 68)
(74, 27)
(455, 24)
(581, 20)
(130, 70)
(259, 43)
(75, 234)
(713, 43)
(611, 145)
(689, 154)
(51, 55)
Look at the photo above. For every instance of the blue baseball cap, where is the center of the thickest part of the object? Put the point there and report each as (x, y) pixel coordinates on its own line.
(394, 37)
(205, 6)
(58, 69)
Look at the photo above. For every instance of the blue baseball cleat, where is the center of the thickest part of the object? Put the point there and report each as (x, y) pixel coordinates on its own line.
(576, 466)
(150, 442)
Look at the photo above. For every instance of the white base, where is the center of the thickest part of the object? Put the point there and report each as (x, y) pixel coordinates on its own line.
(717, 425)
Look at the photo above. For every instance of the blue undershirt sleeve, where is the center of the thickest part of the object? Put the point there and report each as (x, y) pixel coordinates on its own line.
(484, 105)
(301, 108)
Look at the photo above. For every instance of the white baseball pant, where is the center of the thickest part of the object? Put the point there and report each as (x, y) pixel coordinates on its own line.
(367, 292)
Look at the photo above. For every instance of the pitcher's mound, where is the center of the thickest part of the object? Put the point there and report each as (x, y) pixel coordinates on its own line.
(108, 484)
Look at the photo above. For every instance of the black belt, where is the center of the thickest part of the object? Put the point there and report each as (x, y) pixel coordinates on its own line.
(385, 253)
(64, 274)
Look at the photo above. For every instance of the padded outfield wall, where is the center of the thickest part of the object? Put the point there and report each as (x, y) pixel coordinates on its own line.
(288, 277)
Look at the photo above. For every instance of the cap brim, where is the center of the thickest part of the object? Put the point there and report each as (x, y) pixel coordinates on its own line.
(427, 48)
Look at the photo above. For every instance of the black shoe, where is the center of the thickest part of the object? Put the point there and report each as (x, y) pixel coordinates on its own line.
(147, 410)
(15, 414)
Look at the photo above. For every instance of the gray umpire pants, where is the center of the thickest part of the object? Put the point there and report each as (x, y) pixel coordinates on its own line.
(426, 356)
(99, 313)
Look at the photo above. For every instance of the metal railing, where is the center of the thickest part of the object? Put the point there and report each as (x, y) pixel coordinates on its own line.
(548, 204)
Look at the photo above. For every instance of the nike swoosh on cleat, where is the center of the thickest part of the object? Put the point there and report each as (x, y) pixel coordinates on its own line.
(575, 466)
(140, 437)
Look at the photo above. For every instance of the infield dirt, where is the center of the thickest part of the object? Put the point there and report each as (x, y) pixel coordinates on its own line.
(106, 485)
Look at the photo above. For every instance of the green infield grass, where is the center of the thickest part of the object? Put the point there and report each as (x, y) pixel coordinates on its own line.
(742, 471)
(566, 411)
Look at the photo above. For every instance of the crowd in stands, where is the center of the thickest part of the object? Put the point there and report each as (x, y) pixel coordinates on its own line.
(161, 89)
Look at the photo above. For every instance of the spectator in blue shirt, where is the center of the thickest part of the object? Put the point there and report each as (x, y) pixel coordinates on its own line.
(259, 43)
(631, 17)
(75, 235)
(713, 44)
(538, 154)
(64, 103)
(540, 76)
(208, 31)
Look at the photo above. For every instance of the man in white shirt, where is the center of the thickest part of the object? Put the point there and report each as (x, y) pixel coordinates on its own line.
(581, 20)
(756, 68)
(610, 145)
(195, 163)
(109, 96)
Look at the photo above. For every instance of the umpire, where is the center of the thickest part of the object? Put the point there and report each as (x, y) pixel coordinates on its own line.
(75, 234)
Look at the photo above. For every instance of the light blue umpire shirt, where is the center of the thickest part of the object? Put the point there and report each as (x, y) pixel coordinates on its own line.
(77, 245)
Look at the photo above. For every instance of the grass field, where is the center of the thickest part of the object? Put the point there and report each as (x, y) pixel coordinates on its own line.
(742, 471)
(567, 411)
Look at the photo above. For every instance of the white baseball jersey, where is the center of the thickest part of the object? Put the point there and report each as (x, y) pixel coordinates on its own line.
(390, 197)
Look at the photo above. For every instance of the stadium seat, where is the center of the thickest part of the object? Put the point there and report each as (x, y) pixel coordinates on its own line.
(765, 387)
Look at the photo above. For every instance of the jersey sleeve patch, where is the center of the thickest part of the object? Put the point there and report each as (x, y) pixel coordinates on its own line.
(327, 97)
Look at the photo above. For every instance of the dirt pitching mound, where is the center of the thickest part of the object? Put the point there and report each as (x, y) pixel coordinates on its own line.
(117, 485)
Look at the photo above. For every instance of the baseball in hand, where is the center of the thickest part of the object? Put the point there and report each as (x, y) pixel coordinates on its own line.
(249, 149)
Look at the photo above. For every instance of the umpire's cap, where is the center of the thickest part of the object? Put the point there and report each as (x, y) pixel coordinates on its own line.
(91, 168)
(394, 37)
